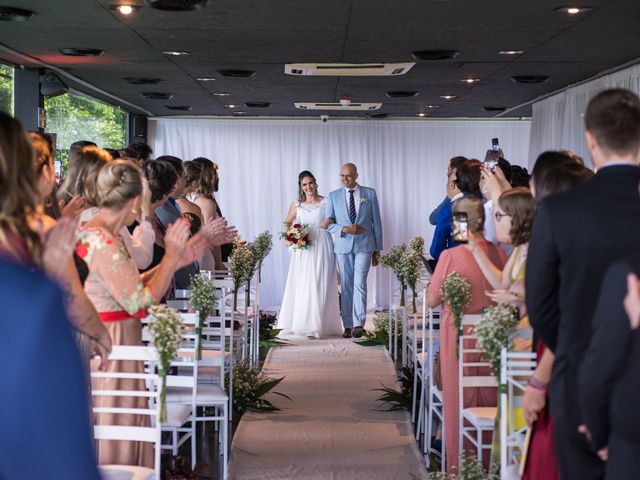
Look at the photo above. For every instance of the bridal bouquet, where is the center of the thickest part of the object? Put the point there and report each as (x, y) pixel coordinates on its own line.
(297, 236)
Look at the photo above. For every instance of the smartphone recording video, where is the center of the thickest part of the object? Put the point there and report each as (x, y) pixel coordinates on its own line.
(491, 159)
(495, 144)
(460, 227)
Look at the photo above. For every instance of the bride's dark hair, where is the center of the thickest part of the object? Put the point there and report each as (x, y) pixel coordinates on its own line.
(306, 173)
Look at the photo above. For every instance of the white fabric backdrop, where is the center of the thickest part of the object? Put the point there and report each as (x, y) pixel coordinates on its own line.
(405, 161)
(557, 121)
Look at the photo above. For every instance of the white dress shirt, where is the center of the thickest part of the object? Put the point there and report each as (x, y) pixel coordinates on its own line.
(356, 198)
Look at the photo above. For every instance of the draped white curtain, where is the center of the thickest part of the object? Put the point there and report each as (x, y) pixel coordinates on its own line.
(557, 121)
(405, 161)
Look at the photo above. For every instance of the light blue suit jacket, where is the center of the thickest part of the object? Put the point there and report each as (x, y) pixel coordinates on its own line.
(368, 218)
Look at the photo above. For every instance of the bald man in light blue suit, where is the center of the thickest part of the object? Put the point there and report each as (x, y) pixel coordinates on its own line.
(357, 244)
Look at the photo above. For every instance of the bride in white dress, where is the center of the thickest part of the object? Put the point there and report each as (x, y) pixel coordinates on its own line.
(310, 302)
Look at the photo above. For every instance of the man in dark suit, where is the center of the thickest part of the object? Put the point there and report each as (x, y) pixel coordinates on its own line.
(576, 236)
(609, 377)
(169, 212)
(44, 406)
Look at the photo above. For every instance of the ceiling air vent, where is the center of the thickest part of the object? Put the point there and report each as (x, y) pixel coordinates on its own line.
(237, 73)
(348, 69)
(177, 5)
(180, 108)
(494, 109)
(14, 14)
(142, 80)
(378, 116)
(158, 95)
(257, 104)
(529, 79)
(435, 54)
(81, 52)
(353, 106)
(401, 94)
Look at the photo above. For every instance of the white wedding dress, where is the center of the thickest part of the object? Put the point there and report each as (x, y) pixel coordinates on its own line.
(310, 302)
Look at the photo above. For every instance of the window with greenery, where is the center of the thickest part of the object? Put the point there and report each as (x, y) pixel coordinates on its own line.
(6, 89)
(74, 117)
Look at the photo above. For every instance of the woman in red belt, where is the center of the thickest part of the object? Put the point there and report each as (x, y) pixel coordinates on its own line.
(120, 294)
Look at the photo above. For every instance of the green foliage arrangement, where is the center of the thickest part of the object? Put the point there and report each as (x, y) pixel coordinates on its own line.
(495, 331)
(456, 292)
(470, 469)
(397, 400)
(380, 334)
(405, 261)
(249, 388)
(261, 247)
(203, 300)
(242, 265)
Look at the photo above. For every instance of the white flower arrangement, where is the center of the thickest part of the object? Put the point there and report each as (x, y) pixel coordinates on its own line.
(456, 292)
(241, 267)
(496, 330)
(261, 247)
(405, 262)
(167, 333)
(203, 300)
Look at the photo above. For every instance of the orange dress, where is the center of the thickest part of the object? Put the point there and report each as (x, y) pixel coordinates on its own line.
(461, 260)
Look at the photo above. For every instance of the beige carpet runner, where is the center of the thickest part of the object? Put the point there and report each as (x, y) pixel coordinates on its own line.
(333, 429)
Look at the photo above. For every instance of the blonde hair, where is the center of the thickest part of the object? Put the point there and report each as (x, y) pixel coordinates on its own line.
(82, 172)
(473, 207)
(115, 184)
(19, 195)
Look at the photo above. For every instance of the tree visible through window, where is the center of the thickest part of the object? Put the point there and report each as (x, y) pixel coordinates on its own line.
(6, 89)
(74, 117)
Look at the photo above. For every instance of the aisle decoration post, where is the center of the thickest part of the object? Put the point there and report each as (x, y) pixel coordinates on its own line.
(261, 248)
(166, 330)
(241, 267)
(496, 330)
(393, 259)
(203, 300)
(456, 292)
(410, 265)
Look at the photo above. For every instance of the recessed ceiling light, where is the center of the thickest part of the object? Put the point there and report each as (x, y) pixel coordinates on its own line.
(158, 95)
(125, 9)
(205, 79)
(14, 14)
(142, 80)
(239, 112)
(511, 52)
(448, 97)
(257, 104)
(529, 78)
(236, 73)
(422, 114)
(435, 54)
(81, 52)
(231, 105)
(176, 53)
(219, 94)
(177, 5)
(401, 94)
(491, 108)
(573, 10)
(470, 80)
(431, 106)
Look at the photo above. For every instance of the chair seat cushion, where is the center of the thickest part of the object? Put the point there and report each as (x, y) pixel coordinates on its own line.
(207, 393)
(481, 416)
(126, 472)
(177, 414)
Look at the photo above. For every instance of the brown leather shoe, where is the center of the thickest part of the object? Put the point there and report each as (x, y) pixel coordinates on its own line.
(347, 333)
(357, 332)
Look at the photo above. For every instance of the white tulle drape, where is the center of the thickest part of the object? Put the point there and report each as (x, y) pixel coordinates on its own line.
(558, 122)
(405, 161)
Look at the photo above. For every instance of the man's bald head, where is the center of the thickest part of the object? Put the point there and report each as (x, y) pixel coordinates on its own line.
(349, 175)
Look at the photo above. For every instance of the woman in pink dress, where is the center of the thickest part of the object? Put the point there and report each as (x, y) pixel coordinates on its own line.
(461, 260)
(121, 295)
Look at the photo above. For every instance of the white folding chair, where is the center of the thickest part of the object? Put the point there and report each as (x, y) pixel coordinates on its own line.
(150, 434)
(515, 370)
(474, 421)
(431, 402)
(417, 351)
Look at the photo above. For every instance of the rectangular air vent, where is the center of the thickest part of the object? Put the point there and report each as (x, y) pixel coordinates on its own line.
(337, 106)
(348, 69)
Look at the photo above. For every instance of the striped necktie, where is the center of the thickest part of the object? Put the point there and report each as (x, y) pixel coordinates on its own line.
(352, 208)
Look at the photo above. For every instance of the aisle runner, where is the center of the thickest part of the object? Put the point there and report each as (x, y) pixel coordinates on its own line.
(333, 429)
